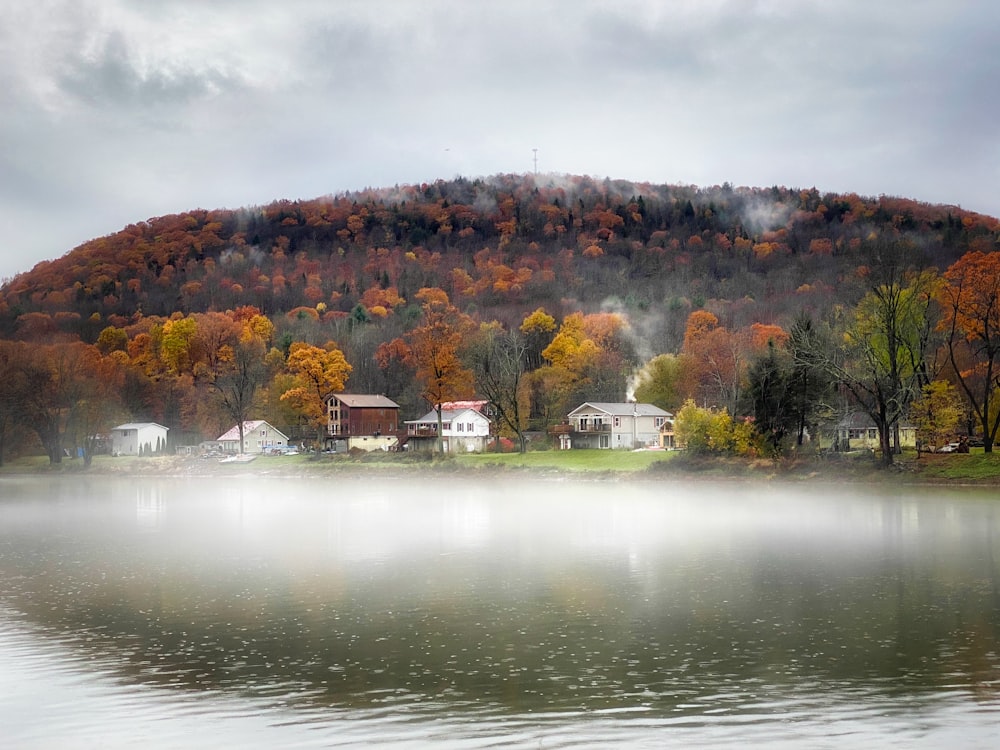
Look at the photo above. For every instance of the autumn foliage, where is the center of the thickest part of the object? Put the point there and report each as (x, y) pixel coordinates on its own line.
(387, 287)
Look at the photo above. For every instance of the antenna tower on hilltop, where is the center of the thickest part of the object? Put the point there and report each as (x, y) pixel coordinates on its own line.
(535, 152)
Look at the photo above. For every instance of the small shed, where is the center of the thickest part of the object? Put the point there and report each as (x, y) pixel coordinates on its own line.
(138, 439)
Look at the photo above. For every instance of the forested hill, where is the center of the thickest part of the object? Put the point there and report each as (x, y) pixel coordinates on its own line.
(500, 247)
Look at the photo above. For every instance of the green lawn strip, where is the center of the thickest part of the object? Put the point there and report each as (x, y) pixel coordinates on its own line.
(579, 460)
(975, 466)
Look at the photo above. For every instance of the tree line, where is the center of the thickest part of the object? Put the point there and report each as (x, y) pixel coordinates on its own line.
(777, 308)
(919, 346)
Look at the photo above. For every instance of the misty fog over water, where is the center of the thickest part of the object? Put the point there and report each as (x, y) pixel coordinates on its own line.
(432, 611)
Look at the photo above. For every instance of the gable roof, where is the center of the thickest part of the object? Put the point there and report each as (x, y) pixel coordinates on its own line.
(233, 433)
(474, 404)
(447, 415)
(365, 400)
(138, 426)
(621, 409)
(860, 420)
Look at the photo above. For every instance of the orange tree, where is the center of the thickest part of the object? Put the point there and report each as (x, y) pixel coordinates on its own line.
(970, 302)
(434, 348)
(720, 359)
(19, 379)
(241, 369)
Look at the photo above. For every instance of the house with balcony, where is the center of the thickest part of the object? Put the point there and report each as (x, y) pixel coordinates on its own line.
(626, 425)
(363, 421)
(465, 428)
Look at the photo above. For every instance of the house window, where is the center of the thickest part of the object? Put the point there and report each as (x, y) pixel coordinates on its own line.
(658, 421)
(618, 421)
(583, 424)
(460, 427)
(470, 428)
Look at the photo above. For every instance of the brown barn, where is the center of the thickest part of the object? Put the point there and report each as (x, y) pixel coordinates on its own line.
(363, 420)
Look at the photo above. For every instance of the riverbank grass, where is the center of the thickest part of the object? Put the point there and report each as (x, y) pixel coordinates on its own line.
(577, 460)
(961, 467)
(972, 468)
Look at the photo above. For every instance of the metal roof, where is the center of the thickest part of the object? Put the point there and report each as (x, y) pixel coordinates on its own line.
(365, 400)
(249, 426)
(622, 409)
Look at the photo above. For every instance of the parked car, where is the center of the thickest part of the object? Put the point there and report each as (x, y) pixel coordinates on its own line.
(950, 448)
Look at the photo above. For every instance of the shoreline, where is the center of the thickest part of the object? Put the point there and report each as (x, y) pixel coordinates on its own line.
(927, 470)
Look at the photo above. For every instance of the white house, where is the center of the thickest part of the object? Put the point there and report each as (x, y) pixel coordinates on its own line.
(610, 425)
(464, 428)
(138, 438)
(258, 437)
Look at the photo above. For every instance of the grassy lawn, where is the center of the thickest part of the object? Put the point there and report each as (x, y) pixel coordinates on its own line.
(574, 460)
(974, 466)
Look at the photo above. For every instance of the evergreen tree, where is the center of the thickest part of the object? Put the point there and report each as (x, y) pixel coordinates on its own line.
(769, 390)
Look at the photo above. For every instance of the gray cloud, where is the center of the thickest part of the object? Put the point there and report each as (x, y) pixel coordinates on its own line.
(112, 111)
(112, 78)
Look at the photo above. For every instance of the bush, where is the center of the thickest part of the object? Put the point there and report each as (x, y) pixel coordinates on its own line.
(704, 431)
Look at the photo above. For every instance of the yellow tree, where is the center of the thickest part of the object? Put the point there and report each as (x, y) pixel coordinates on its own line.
(571, 347)
(434, 352)
(666, 381)
(577, 367)
(538, 329)
(176, 346)
(936, 413)
(317, 372)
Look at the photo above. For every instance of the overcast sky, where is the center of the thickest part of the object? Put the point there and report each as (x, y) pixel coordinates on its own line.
(115, 111)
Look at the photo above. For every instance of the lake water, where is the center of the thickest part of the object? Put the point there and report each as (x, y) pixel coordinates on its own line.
(266, 612)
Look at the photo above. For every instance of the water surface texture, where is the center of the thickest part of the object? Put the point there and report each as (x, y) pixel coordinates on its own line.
(435, 612)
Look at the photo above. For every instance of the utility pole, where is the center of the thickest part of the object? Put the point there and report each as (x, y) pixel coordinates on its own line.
(535, 152)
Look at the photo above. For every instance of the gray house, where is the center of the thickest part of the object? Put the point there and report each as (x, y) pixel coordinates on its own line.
(613, 425)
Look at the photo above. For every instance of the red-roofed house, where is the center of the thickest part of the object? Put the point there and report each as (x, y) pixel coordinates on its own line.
(258, 437)
(463, 428)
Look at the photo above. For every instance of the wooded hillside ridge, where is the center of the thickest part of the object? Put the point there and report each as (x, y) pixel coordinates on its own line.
(503, 245)
(577, 288)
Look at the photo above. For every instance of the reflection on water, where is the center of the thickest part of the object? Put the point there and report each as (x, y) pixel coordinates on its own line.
(322, 612)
